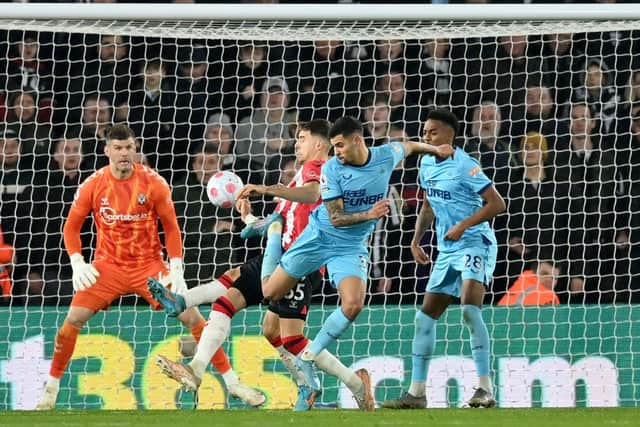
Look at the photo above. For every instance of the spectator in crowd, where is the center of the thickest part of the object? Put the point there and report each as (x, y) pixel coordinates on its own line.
(376, 120)
(538, 206)
(25, 71)
(561, 61)
(96, 119)
(262, 137)
(539, 116)
(197, 93)
(590, 172)
(492, 147)
(507, 75)
(250, 67)
(219, 134)
(16, 195)
(632, 89)
(405, 110)
(596, 89)
(628, 179)
(151, 116)
(34, 137)
(441, 78)
(209, 250)
(107, 70)
(325, 79)
(534, 286)
(49, 268)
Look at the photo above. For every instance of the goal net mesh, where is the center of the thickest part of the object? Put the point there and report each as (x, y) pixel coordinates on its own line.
(551, 109)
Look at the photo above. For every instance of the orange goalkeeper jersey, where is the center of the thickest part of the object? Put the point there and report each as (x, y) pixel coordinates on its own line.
(126, 213)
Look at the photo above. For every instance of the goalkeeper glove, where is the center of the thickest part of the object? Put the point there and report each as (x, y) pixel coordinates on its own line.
(176, 275)
(84, 275)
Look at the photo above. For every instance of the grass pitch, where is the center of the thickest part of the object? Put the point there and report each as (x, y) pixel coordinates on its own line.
(539, 417)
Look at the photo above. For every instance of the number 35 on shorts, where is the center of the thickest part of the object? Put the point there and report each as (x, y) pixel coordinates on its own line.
(473, 263)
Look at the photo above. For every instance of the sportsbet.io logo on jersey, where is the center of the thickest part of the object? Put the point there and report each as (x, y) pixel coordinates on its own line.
(110, 216)
(359, 198)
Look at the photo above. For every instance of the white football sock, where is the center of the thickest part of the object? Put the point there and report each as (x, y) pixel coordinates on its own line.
(485, 383)
(288, 361)
(206, 293)
(214, 334)
(330, 364)
(417, 388)
(53, 382)
(230, 377)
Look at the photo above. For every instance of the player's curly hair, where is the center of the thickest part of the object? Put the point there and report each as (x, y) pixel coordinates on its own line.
(446, 117)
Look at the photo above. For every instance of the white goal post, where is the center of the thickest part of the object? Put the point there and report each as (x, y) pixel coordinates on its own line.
(523, 80)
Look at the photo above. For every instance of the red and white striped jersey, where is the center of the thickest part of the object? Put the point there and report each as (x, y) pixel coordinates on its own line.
(295, 214)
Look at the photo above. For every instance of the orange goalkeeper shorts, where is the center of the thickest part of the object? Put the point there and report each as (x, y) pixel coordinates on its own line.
(115, 281)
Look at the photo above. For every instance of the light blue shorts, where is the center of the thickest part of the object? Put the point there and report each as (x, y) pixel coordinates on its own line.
(313, 249)
(450, 269)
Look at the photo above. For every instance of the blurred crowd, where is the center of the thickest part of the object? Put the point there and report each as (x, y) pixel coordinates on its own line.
(554, 121)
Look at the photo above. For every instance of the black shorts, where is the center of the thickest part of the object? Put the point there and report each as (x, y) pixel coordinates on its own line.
(295, 304)
(249, 283)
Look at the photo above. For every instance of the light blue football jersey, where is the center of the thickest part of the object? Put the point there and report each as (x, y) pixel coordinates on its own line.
(360, 187)
(453, 187)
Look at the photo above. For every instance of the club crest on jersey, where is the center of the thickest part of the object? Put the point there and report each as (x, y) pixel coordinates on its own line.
(104, 201)
(142, 199)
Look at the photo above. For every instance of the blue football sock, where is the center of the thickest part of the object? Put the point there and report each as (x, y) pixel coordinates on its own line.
(273, 251)
(424, 342)
(480, 345)
(331, 330)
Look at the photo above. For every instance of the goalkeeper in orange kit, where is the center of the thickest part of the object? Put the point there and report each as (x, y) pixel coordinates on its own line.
(126, 200)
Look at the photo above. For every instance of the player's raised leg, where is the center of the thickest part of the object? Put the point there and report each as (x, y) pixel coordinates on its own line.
(64, 345)
(174, 304)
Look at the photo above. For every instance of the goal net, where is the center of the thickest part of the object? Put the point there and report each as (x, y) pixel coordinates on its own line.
(548, 98)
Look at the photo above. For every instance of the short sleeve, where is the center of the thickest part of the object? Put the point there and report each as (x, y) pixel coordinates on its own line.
(472, 175)
(329, 185)
(161, 192)
(311, 171)
(83, 198)
(425, 162)
(394, 150)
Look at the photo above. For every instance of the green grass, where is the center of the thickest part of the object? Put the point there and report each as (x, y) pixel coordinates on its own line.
(540, 417)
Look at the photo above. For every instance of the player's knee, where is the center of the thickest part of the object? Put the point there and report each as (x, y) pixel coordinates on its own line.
(270, 328)
(351, 309)
(75, 321)
(233, 274)
(471, 314)
(190, 317)
(271, 293)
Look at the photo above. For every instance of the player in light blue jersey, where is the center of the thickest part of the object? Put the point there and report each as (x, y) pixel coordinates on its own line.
(463, 200)
(354, 186)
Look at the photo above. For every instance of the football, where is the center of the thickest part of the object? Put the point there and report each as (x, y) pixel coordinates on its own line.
(223, 188)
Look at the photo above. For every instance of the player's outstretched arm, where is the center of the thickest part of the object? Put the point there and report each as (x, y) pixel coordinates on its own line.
(425, 218)
(494, 205)
(441, 151)
(340, 218)
(308, 193)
